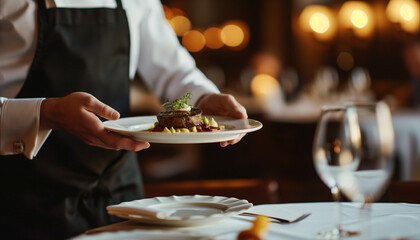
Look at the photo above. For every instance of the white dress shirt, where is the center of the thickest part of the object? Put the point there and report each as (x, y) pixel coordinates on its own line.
(166, 67)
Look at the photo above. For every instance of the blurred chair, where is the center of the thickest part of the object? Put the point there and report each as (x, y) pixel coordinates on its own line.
(403, 191)
(256, 191)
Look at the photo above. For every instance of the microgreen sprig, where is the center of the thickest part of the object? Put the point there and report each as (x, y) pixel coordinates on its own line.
(178, 103)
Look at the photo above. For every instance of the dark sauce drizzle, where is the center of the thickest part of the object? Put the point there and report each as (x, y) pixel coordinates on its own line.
(202, 127)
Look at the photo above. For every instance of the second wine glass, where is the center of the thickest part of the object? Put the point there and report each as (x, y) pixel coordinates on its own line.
(372, 130)
(333, 153)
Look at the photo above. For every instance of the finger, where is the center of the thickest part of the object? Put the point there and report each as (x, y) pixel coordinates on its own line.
(231, 142)
(102, 109)
(108, 112)
(239, 111)
(118, 142)
(234, 108)
(124, 143)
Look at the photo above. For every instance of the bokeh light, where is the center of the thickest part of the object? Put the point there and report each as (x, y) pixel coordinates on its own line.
(168, 12)
(235, 34)
(213, 38)
(266, 63)
(232, 35)
(393, 11)
(178, 12)
(264, 85)
(406, 13)
(358, 16)
(180, 25)
(345, 61)
(193, 41)
(319, 20)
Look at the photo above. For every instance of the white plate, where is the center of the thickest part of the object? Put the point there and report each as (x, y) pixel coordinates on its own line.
(136, 127)
(188, 210)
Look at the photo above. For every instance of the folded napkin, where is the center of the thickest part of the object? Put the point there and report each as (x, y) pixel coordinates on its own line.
(125, 209)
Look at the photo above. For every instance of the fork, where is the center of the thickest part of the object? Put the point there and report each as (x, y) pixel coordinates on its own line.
(280, 220)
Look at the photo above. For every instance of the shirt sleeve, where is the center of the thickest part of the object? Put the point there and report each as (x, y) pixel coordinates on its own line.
(19, 127)
(165, 66)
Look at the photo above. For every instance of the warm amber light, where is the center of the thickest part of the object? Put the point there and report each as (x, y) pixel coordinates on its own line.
(193, 41)
(266, 63)
(213, 38)
(406, 13)
(232, 35)
(264, 85)
(180, 24)
(393, 11)
(178, 12)
(319, 20)
(345, 61)
(358, 16)
(168, 12)
(235, 34)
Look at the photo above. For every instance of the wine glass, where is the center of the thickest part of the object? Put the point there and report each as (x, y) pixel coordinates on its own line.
(333, 153)
(371, 126)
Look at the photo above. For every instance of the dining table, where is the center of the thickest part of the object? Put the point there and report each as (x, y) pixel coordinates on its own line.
(384, 221)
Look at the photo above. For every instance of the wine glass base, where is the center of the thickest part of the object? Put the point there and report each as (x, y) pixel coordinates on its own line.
(337, 234)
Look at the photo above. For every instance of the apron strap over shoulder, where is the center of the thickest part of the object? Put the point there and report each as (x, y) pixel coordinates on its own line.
(119, 4)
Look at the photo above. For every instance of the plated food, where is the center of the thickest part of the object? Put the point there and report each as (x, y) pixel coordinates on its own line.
(181, 117)
(139, 128)
(182, 124)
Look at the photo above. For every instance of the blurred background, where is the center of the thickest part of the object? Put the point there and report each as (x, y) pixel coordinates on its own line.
(284, 60)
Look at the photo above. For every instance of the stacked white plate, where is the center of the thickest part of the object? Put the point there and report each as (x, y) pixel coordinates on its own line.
(180, 210)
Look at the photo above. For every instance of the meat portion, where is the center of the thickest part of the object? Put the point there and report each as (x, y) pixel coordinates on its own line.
(180, 119)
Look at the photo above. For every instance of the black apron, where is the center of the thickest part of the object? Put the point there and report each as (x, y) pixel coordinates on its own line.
(65, 189)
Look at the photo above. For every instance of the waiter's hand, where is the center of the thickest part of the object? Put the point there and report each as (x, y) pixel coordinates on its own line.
(77, 113)
(222, 105)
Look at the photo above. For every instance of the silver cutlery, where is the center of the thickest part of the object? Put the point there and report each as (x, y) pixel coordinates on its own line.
(280, 220)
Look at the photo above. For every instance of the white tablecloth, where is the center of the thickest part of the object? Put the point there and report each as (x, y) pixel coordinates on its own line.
(388, 221)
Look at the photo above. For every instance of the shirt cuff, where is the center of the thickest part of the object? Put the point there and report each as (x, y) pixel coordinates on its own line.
(20, 127)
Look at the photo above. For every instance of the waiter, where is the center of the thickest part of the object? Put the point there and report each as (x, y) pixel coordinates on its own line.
(64, 64)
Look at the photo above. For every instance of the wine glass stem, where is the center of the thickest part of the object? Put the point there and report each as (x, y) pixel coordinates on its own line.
(365, 217)
(335, 191)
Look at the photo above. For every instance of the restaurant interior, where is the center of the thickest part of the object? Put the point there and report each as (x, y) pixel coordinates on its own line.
(284, 61)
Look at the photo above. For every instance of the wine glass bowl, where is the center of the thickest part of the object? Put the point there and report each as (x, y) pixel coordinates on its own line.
(331, 145)
(372, 123)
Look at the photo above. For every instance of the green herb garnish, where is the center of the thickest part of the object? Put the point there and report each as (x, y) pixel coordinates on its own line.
(178, 103)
